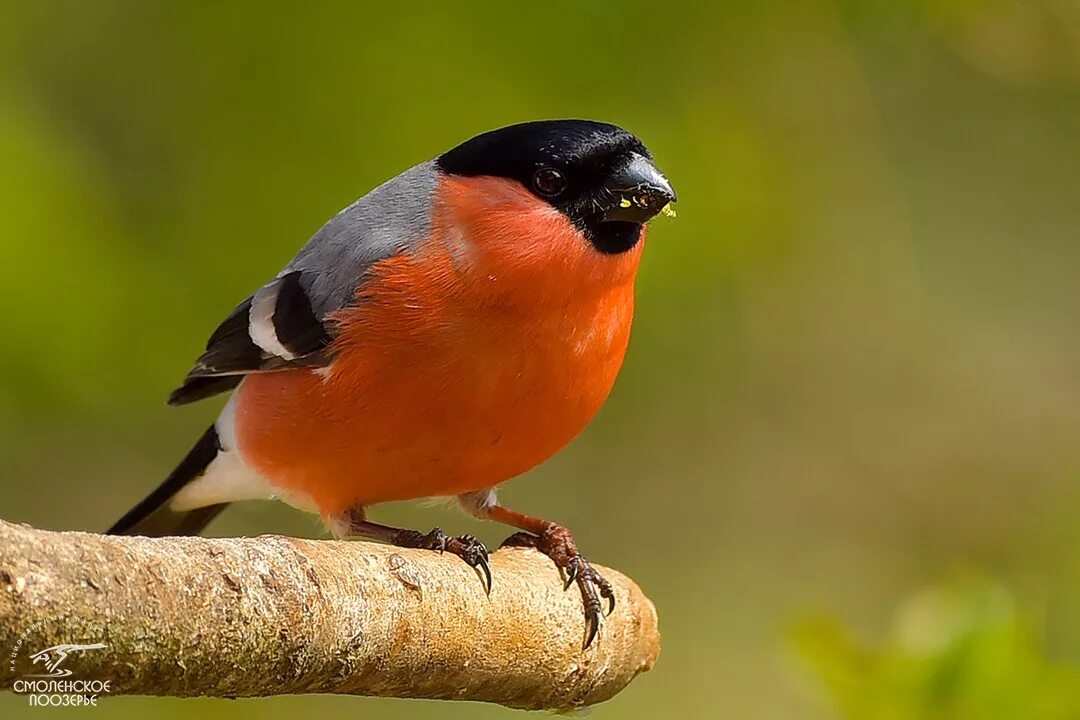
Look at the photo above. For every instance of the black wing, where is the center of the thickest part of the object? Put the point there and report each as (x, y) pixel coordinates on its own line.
(274, 329)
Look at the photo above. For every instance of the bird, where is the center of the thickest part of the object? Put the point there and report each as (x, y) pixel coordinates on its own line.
(451, 329)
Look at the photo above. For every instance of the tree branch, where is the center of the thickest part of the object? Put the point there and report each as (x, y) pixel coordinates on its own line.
(273, 615)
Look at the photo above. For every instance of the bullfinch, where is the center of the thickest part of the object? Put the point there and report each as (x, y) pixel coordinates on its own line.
(451, 329)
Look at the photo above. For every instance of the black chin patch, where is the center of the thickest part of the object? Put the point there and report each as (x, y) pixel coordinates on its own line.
(613, 237)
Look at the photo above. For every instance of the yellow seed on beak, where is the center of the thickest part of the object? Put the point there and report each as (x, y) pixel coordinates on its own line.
(668, 210)
(624, 203)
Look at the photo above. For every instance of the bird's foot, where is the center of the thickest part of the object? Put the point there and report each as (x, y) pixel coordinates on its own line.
(558, 544)
(466, 547)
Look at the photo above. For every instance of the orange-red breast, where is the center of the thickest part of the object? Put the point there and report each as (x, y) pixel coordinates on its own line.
(450, 330)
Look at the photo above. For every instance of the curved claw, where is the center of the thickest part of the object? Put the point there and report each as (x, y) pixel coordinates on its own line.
(486, 569)
(589, 582)
(556, 542)
(592, 627)
(467, 547)
(571, 573)
(479, 560)
(605, 590)
(475, 554)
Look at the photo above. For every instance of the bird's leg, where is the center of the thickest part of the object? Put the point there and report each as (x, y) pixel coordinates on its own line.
(353, 524)
(557, 543)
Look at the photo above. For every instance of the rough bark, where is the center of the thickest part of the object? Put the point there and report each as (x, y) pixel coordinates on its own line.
(274, 615)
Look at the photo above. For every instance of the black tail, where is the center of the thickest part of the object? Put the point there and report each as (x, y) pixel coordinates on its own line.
(153, 518)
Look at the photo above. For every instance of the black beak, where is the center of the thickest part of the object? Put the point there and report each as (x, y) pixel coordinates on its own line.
(637, 191)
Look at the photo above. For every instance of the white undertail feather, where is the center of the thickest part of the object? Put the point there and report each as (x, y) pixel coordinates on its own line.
(339, 527)
(228, 478)
(478, 502)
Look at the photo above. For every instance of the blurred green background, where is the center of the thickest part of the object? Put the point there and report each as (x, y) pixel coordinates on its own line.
(855, 371)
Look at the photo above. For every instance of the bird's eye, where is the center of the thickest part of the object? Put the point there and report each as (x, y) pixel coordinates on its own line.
(549, 182)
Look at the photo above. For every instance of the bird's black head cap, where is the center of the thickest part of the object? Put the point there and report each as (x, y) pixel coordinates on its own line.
(597, 174)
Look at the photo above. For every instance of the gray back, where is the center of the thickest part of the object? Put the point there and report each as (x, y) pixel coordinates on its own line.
(392, 218)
